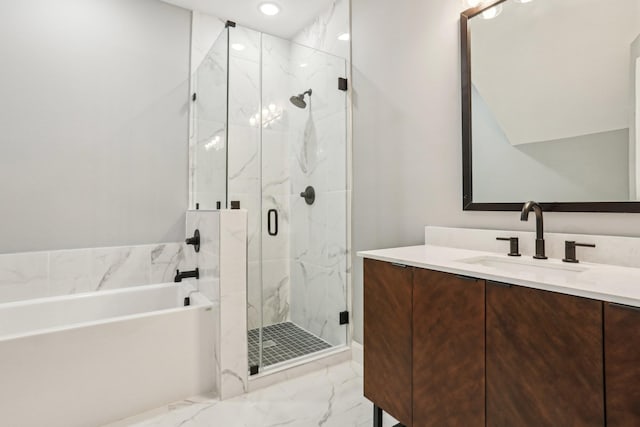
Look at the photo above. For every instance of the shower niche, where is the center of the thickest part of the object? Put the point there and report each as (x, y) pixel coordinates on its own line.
(270, 131)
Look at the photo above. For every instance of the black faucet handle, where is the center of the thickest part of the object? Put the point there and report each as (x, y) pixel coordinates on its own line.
(570, 250)
(195, 240)
(514, 249)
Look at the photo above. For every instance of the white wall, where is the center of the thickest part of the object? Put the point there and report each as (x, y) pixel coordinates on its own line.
(407, 134)
(93, 123)
(634, 117)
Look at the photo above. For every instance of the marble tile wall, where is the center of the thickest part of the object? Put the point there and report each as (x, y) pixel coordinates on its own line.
(45, 274)
(615, 250)
(208, 259)
(323, 32)
(223, 278)
(318, 157)
(233, 351)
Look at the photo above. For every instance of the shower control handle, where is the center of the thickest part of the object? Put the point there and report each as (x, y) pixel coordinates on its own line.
(309, 195)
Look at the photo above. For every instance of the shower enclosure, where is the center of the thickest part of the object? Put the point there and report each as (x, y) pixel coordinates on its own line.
(269, 131)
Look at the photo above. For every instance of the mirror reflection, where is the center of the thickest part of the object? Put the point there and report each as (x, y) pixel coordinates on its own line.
(554, 105)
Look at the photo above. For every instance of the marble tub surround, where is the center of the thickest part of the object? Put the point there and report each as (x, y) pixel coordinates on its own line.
(208, 259)
(223, 262)
(612, 250)
(332, 397)
(43, 274)
(589, 280)
(233, 357)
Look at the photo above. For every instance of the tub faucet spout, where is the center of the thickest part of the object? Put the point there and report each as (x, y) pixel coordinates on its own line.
(186, 275)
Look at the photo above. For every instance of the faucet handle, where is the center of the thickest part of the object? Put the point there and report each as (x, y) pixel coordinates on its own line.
(570, 250)
(513, 245)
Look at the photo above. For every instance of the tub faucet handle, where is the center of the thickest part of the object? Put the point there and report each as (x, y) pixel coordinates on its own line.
(195, 240)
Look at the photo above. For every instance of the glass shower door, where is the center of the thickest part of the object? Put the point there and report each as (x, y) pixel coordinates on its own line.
(304, 201)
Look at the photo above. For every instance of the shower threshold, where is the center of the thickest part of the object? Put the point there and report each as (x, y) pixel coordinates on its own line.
(282, 342)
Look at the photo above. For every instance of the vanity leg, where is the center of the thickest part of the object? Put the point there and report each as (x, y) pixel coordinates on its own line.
(377, 416)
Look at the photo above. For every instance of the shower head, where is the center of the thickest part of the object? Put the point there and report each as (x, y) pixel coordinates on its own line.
(298, 100)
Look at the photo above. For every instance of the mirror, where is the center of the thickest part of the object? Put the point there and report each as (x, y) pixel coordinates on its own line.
(550, 105)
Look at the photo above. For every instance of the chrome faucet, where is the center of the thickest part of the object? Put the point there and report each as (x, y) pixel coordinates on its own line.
(524, 216)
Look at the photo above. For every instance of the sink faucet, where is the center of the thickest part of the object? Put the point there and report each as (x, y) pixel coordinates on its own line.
(524, 216)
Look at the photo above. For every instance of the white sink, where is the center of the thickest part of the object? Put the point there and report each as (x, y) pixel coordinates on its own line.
(528, 266)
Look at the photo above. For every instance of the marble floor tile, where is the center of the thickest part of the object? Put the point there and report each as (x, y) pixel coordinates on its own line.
(331, 397)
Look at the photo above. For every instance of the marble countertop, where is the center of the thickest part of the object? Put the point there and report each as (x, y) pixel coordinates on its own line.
(598, 281)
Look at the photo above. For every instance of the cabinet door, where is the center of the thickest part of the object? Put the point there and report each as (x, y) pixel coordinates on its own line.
(387, 337)
(622, 365)
(544, 359)
(448, 350)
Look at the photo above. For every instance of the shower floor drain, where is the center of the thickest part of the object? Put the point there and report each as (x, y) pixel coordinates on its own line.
(281, 342)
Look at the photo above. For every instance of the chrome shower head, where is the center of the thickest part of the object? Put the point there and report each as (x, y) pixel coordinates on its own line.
(298, 100)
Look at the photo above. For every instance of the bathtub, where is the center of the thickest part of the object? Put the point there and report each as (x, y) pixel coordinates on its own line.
(89, 359)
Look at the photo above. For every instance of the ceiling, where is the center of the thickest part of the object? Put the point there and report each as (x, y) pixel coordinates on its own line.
(294, 14)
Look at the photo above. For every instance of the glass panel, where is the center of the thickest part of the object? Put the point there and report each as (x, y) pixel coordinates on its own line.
(244, 163)
(209, 142)
(303, 122)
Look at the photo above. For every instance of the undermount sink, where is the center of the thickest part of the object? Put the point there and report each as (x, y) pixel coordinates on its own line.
(527, 266)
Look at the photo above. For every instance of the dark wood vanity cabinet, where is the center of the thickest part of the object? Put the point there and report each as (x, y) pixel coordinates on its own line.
(444, 350)
(544, 359)
(622, 365)
(424, 345)
(448, 350)
(388, 290)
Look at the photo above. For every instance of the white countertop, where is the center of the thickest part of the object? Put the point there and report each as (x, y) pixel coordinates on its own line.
(599, 281)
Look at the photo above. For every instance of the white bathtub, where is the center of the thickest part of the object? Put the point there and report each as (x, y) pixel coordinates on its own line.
(89, 359)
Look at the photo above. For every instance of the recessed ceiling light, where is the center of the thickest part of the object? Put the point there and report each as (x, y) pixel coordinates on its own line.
(304, 65)
(474, 3)
(269, 9)
(523, 1)
(344, 37)
(238, 46)
(492, 12)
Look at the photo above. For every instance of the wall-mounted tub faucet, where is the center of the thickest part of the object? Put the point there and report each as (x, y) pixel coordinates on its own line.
(186, 275)
(524, 216)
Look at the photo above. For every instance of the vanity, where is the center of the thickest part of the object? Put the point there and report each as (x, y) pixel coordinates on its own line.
(462, 332)
(473, 337)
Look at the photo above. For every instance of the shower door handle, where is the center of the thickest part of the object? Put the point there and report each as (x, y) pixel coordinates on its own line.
(272, 214)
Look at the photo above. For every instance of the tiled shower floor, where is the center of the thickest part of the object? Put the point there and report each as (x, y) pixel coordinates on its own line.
(282, 341)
